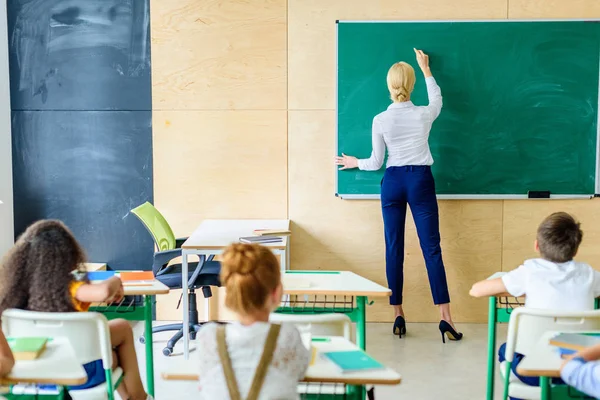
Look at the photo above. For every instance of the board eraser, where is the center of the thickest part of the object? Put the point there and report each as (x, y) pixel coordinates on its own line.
(538, 194)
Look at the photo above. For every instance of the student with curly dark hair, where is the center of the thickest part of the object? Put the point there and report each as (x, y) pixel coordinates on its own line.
(44, 271)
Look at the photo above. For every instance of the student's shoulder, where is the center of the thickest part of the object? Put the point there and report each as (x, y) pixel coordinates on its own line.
(208, 330)
(583, 266)
(288, 334)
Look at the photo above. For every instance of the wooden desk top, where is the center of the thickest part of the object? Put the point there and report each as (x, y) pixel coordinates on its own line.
(543, 360)
(57, 365)
(216, 234)
(322, 370)
(331, 283)
(155, 288)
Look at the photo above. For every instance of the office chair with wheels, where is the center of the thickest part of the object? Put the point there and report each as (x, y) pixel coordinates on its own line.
(201, 274)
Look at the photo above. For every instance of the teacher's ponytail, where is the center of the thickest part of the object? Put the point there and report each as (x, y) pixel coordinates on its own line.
(401, 81)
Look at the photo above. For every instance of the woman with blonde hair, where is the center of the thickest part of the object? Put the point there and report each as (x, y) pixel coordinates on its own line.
(250, 358)
(404, 130)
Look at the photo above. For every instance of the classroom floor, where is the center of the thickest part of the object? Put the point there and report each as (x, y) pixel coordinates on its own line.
(429, 368)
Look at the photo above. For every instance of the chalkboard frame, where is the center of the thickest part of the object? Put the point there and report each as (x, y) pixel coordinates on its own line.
(461, 196)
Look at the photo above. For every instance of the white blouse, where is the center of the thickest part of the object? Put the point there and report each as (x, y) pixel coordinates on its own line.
(404, 129)
(245, 345)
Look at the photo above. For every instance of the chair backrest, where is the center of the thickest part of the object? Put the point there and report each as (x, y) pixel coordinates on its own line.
(87, 332)
(527, 325)
(319, 324)
(157, 225)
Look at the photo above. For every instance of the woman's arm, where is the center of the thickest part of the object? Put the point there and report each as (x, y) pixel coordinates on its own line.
(434, 93)
(7, 360)
(372, 163)
(488, 288)
(109, 291)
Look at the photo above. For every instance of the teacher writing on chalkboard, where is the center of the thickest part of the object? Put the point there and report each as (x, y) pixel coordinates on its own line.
(404, 130)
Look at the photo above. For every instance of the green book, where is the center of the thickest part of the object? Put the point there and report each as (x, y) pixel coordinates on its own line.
(27, 348)
(353, 361)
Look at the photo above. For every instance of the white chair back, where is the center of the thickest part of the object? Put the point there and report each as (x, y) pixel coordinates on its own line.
(319, 324)
(87, 332)
(527, 325)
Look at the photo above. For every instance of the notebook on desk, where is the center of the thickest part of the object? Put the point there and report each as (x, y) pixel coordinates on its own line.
(353, 361)
(100, 275)
(136, 278)
(575, 341)
(27, 348)
(260, 239)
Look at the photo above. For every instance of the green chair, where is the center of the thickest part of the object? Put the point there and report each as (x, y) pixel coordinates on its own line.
(204, 273)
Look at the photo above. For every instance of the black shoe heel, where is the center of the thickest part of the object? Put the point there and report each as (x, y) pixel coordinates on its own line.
(447, 330)
(399, 327)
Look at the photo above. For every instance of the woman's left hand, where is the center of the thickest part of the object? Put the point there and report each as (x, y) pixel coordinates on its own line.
(347, 162)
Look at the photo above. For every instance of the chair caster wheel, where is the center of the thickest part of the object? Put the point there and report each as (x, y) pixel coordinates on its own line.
(167, 351)
(142, 340)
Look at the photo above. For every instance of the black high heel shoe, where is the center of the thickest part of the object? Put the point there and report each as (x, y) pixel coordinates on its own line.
(399, 327)
(447, 330)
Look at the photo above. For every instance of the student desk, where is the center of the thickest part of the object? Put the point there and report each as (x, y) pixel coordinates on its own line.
(57, 365)
(212, 236)
(323, 370)
(544, 361)
(499, 309)
(331, 291)
(131, 312)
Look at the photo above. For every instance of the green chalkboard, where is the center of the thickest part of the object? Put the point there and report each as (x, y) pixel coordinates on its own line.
(520, 103)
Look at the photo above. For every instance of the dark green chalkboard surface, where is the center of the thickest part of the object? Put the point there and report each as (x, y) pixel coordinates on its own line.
(520, 103)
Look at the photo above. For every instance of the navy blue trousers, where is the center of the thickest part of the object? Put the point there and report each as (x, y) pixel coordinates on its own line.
(412, 185)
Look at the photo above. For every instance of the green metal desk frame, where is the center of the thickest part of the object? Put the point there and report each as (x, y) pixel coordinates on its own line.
(497, 315)
(137, 313)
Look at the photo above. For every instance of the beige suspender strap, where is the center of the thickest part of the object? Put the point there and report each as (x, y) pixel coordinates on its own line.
(265, 361)
(232, 386)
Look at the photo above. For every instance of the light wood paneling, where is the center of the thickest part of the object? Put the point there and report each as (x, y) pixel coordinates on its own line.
(329, 233)
(554, 9)
(218, 164)
(219, 54)
(521, 219)
(311, 31)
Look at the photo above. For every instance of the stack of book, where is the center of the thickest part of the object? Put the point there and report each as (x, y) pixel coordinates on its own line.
(263, 236)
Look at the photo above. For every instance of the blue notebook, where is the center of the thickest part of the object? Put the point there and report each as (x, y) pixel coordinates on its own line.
(353, 361)
(100, 275)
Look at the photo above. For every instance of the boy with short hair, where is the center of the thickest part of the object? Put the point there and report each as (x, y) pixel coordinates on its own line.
(554, 281)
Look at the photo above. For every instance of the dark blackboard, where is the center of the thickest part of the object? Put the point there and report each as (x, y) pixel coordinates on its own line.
(520, 102)
(88, 169)
(81, 115)
(79, 54)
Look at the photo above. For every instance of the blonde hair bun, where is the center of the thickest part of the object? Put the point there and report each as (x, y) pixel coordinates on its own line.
(250, 273)
(401, 81)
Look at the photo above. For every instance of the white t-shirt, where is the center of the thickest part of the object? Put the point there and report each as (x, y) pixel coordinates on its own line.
(570, 286)
(245, 345)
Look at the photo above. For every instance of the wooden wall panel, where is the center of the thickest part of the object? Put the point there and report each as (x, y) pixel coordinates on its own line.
(312, 39)
(219, 54)
(218, 164)
(521, 219)
(334, 234)
(554, 9)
